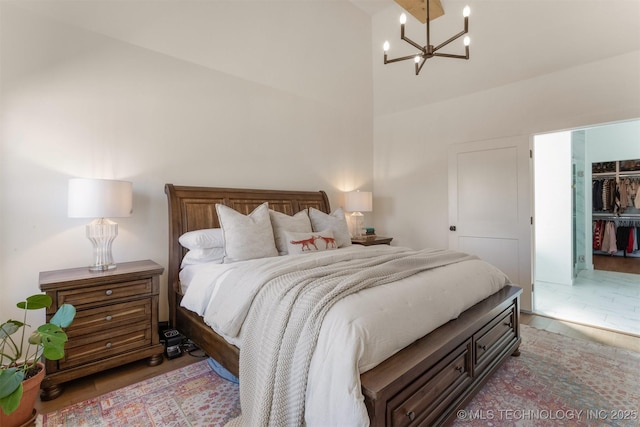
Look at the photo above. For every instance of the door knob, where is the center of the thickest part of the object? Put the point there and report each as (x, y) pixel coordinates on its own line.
(452, 228)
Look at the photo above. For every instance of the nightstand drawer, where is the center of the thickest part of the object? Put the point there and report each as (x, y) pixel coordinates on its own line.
(109, 317)
(106, 344)
(103, 294)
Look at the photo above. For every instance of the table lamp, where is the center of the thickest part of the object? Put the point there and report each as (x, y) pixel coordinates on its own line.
(357, 202)
(100, 199)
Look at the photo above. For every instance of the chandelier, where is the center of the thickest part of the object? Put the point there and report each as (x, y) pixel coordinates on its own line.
(428, 51)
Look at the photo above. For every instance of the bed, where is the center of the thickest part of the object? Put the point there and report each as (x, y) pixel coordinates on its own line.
(424, 383)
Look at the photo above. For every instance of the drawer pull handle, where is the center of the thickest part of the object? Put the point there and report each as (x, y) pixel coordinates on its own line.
(509, 324)
(109, 292)
(108, 318)
(108, 345)
(459, 369)
(482, 347)
(411, 415)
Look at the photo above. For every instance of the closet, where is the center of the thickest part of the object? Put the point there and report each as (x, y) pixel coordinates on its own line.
(616, 208)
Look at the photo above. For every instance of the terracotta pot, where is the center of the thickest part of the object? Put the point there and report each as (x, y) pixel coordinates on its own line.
(26, 413)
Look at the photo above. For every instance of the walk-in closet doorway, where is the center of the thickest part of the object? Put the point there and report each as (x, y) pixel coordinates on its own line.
(574, 278)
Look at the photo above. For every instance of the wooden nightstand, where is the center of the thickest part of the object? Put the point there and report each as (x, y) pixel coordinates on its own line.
(374, 240)
(116, 319)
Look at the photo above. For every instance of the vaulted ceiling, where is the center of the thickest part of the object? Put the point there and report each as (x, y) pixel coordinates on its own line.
(511, 40)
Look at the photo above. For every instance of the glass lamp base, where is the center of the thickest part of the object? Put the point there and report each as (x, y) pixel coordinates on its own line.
(357, 221)
(101, 232)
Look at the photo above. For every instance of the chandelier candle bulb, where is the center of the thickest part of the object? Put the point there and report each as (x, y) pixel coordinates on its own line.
(403, 19)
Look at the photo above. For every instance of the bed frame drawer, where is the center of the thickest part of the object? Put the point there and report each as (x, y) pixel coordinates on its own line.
(494, 338)
(434, 390)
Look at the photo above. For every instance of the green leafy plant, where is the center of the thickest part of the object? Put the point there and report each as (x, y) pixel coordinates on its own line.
(19, 357)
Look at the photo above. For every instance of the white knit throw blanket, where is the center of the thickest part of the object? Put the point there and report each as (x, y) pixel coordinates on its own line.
(283, 324)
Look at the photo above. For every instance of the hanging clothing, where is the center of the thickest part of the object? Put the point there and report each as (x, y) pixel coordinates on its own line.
(622, 238)
(598, 232)
(596, 187)
(609, 238)
(615, 197)
(624, 199)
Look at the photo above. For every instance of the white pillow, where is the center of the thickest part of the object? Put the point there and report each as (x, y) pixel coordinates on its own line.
(280, 222)
(200, 256)
(336, 222)
(202, 239)
(313, 241)
(246, 236)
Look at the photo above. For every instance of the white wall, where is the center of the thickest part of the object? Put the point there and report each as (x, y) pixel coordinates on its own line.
(250, 97)
(616, 141)
(410, 147)
(553, 210)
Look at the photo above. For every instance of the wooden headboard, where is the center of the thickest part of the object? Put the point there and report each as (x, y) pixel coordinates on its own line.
(194, 208)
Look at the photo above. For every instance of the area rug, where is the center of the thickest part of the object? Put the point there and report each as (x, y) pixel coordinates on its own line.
(559, 381)
(190, 396)
(556, 381)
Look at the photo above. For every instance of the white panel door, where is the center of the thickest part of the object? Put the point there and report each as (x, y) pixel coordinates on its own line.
(489, 206)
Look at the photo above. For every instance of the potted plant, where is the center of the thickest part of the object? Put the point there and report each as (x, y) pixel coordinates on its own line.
(20, 357)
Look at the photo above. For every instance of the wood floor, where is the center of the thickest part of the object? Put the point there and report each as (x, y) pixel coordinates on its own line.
(113, 379)
(617, 263)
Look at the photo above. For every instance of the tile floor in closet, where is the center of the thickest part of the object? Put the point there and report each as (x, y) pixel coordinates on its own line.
(605, 299)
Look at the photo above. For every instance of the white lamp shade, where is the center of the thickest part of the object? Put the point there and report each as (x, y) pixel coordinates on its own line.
(358, 201)
(99, 198)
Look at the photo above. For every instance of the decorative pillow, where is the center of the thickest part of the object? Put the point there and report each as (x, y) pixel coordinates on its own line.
(200, 256)
(246, 236)
(336, 222)
(202, 239)
(313, 241)
(280, 222)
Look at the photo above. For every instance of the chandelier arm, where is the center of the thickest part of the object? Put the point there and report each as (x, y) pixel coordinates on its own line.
(404, 58)
(411, 42)
(448, 55)
(457, 36)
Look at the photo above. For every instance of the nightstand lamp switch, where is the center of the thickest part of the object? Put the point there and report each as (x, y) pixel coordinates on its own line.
(357, 202)
(100, 199)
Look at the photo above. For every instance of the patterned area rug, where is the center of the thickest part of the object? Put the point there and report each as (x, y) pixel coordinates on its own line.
(559, 381)
(556, 381)
(190, 396)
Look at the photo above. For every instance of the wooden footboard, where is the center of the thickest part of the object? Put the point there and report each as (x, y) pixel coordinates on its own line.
(424, 384)
(428, 381)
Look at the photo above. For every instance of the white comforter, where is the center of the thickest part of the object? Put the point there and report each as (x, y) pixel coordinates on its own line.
(359, 331)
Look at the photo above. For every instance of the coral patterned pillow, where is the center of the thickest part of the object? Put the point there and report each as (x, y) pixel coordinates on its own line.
(302, 243)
